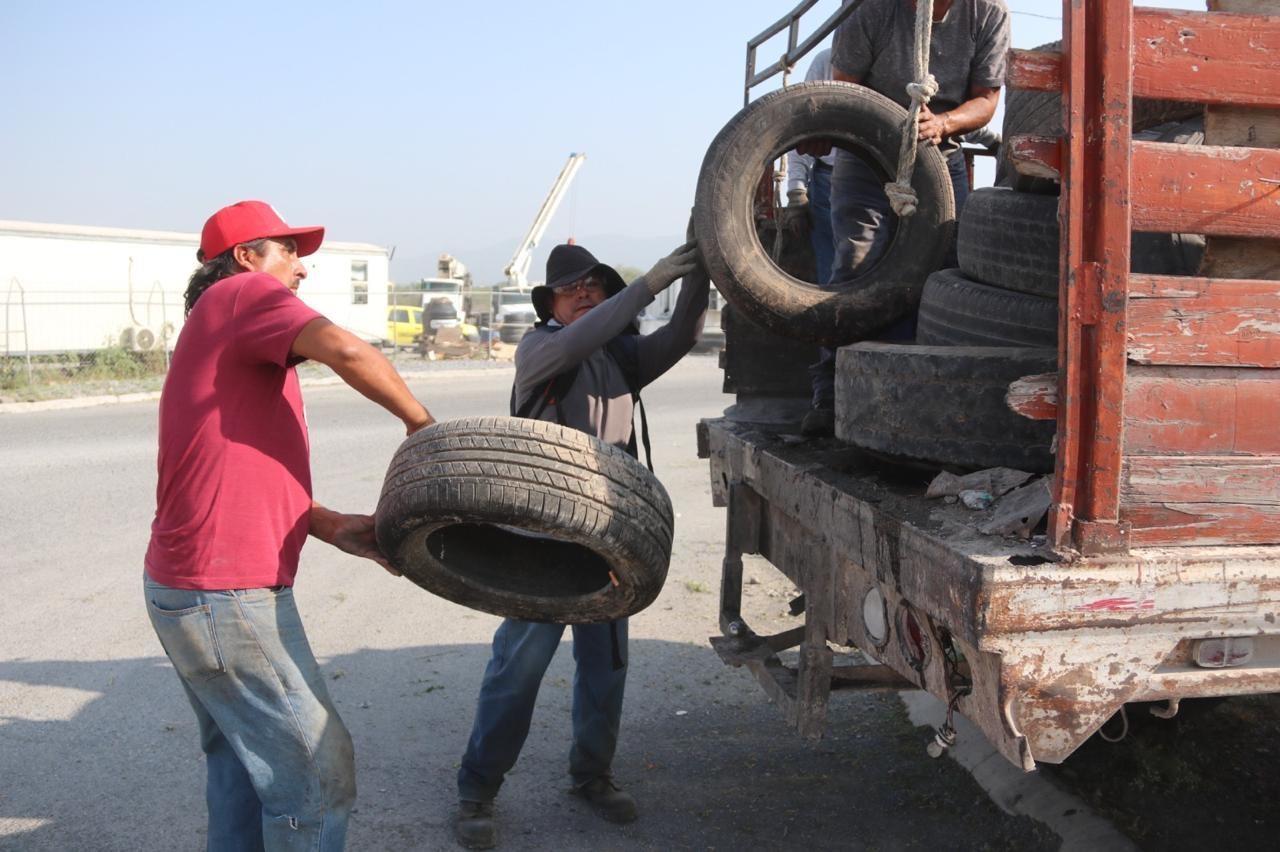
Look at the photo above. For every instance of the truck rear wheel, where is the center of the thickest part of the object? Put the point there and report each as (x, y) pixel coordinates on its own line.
(526, 519)
(865, 123)
(942, 404)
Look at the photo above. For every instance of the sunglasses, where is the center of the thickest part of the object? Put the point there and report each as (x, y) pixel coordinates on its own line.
(590, 284)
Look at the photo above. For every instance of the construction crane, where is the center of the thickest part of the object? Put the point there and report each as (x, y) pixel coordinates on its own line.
(517, 270)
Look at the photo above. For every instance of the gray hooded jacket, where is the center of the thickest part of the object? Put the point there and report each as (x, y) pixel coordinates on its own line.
(599, 401)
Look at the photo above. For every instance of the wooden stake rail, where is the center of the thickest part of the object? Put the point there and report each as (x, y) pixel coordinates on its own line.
(1169, 387)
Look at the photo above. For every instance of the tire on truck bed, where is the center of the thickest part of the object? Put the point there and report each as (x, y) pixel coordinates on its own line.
(723, 214)
(1009, 239)
(956, 311)
(942, 404)
(526, 519)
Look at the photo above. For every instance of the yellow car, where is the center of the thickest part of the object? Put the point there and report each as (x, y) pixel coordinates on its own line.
(404, 325)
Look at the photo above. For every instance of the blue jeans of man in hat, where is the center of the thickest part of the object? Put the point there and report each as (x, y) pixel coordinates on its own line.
(522, 650)
(862, 225)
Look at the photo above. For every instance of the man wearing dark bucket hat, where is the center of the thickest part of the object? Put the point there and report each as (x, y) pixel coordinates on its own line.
(582, 365)
(233, 509)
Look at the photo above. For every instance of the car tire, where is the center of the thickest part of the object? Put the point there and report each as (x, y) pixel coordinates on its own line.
(944, 405)
(956, 311)
(526, 519)
(1009, 239)
(863, 121)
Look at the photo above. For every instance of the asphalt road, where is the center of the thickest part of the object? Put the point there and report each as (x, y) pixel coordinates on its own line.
(98, 748)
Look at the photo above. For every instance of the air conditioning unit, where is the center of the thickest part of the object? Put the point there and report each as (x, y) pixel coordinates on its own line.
(137, 338)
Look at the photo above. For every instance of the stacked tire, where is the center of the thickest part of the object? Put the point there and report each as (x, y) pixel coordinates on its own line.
(981, 326)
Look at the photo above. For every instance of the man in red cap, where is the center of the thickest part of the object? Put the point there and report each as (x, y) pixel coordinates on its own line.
(233, 508)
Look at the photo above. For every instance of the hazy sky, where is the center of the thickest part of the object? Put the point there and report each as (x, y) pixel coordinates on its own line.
(429, 126)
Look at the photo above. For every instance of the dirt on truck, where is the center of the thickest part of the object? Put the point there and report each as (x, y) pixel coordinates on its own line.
(1062, 498)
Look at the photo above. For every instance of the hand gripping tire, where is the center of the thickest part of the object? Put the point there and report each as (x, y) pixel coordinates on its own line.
(526, 519)
(853, 117)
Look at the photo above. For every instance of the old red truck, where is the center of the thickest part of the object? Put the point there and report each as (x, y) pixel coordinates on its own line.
(1157, 577)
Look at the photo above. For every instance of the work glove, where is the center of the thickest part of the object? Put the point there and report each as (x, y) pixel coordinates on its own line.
(794, 218)
(674, 266)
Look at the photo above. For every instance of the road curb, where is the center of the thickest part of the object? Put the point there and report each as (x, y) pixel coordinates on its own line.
(1014, 791)
(66, 403)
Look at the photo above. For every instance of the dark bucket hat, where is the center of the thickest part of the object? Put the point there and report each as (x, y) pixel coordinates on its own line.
(566, 264)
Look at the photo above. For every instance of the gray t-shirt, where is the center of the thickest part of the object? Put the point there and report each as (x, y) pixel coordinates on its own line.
(876, 44)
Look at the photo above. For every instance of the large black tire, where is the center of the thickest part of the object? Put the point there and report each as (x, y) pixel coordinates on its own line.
(942, 404)
(1010, 239)
(955, 311)
(1031, 113)
(526, 519)
(852, 117)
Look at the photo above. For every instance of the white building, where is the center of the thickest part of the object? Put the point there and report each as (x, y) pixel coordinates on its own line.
(68, 288)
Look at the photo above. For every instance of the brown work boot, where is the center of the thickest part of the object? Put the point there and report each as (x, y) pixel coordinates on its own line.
(473, 825)
(607, 799)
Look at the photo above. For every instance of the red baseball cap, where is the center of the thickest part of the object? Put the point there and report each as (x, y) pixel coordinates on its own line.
(246, 221)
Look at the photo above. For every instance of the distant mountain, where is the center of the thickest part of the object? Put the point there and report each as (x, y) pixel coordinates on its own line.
(486, 262)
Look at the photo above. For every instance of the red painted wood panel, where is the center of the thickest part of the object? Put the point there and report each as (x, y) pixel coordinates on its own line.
(1184, 56)
(1202, 411)
(1204, 321)
(1201, 524)
(1206, 190)
(1243, 480)
(1036, 156)
(1209, 57)
(1036, 70)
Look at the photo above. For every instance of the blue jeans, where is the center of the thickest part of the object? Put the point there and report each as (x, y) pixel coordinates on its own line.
(522, 650)
(820, 220)
(281, 768)
(862, 225)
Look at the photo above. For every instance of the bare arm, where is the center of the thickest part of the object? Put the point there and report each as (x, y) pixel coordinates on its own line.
(364, 368)
(349, 533)
(970, 115)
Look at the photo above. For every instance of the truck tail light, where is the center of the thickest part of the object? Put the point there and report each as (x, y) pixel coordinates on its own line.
(1223, 653)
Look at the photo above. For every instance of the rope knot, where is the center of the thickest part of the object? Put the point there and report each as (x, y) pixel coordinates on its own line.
(902, 198)
(923, 90)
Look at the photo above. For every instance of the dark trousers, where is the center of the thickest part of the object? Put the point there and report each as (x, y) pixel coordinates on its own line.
(522, 650)
(862, 223)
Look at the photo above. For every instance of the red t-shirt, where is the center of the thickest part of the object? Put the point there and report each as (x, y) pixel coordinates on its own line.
(233, 500)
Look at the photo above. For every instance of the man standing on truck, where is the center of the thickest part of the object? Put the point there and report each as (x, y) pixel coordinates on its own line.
(874, 47)
(233, 509)
(582, 366)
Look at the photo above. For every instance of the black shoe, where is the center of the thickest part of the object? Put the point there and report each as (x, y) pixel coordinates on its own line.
(818, 423)
(608, 799)
(473, 825)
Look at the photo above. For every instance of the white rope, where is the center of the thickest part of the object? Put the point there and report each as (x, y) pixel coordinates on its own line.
(901, 196)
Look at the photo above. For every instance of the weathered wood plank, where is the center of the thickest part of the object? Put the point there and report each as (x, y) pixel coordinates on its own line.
(1034, 397)
(1200, 411)
(1036, 156)
(1035, 70)
(1203, 321)
(1201, 524)
(1206, 190)
(1247, 480)
(1186, 56)
(1212, 58)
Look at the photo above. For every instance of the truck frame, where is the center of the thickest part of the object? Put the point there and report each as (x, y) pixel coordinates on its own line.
(1159, 576)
